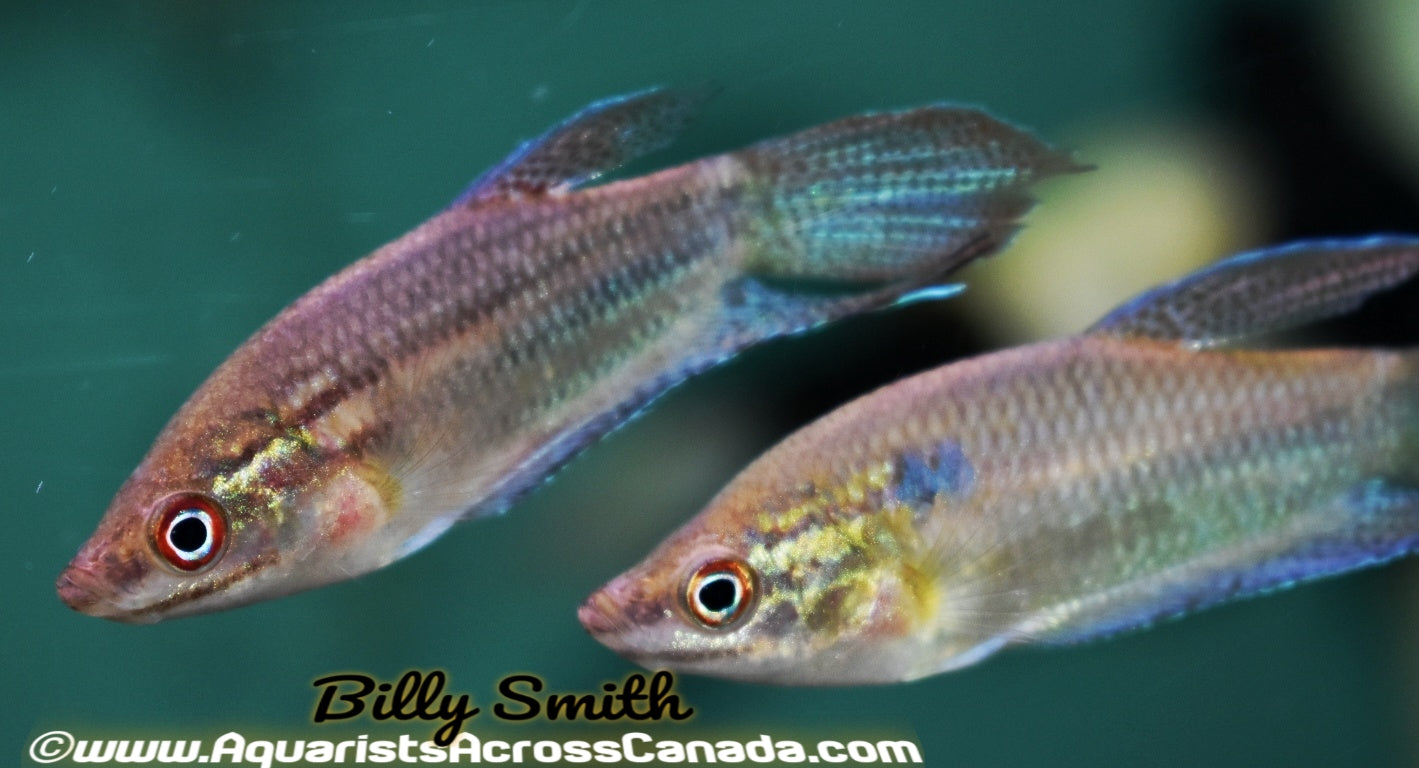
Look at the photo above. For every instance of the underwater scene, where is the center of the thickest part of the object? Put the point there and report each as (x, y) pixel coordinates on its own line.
(456, 493)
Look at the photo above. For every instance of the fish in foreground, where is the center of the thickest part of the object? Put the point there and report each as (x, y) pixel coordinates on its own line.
(457, 367)
(1052, 493)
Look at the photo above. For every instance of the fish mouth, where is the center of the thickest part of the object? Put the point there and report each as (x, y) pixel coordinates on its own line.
(622, 617)
(600, 617)
(637, 633)
(92, 595)
(619, 612)
(81, 590)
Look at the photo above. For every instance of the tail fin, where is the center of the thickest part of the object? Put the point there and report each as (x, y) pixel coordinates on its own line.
(893, 197)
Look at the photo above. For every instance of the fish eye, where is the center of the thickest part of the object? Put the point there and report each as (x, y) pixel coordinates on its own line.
(719, 592)
(189, 530)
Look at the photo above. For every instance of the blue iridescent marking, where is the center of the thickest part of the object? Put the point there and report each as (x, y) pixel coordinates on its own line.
(943, 468)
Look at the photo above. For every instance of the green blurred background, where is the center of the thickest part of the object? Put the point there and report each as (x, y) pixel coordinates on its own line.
(172, 174)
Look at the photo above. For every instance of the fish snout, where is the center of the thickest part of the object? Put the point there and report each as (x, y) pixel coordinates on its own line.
(622, 606)
(96, 586)
(598, 614)
(80, 589)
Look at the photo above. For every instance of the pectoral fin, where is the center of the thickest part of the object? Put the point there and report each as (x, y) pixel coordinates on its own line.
(1265, 291)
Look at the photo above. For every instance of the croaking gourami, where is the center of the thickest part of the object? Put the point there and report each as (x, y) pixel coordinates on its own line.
(457, 367)
(1052, 493)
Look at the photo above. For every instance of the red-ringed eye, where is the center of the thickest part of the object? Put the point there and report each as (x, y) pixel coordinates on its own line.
(719, 592)
(189, 531)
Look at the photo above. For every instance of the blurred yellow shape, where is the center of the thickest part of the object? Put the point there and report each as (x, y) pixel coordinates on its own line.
(1164, 199)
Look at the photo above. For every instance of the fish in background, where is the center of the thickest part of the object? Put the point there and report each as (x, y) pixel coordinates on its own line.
(1052, 493)
(454, 369)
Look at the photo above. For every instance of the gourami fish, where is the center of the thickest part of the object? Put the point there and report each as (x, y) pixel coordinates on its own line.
(1052, 493)
(455, 368)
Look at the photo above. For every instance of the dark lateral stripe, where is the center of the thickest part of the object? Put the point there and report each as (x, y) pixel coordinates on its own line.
(323, 402)
(200, 589)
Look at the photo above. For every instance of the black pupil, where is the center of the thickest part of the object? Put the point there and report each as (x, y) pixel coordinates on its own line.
(718, 595)
(188, 534)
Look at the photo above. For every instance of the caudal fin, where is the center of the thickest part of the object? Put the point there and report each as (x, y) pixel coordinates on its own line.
(893, 197)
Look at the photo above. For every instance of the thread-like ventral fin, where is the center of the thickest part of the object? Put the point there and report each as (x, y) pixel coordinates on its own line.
(598, 139)
(1264, 291)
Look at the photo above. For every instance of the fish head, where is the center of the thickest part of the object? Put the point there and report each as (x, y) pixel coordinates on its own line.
(797, 587)
(231, 505)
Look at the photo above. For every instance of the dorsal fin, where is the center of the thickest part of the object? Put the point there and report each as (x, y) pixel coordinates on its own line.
(595, 140)
(1267, 290)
